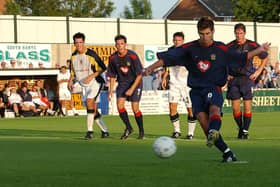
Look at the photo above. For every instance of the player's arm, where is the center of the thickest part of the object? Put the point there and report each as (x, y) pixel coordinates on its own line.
(263, 48)
(112, 82)
(164, 79)
(255, 75)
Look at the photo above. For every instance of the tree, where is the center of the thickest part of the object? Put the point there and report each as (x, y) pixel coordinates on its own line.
(140, 9)
(75, 8)
(262, 10)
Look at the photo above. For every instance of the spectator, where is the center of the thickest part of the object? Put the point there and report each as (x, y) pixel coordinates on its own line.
(15, 101)
(27, 104)
(41, 65)
(13, 64)
(30, 65)
(2, 101)
(3, 65)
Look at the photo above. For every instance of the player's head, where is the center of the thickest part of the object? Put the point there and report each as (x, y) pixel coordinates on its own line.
(178, 39)
(205, 28)
(120, 43)
(79, 41)
(240, 32)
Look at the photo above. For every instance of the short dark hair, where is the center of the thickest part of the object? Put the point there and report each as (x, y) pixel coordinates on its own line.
(79, 35)
(120, 37)
(179, 34)
(204, 23)
(240, 26)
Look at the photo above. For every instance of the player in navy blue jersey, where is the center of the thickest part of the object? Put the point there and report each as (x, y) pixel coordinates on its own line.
(242, 80)
(125, 68)
(207, 62)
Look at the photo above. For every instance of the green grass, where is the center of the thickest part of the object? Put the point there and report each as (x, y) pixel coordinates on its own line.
(52, 152)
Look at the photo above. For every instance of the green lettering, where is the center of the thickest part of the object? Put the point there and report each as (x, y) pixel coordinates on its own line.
(21, 55)
(33, 55)
(149, 55)
(44, 55)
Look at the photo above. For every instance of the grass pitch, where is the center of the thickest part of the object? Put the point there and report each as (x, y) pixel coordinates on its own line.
(52, 152)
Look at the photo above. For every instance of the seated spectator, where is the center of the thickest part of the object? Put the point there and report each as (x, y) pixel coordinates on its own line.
(41, 65)
(36, 98)
(28, 104)
(3, 101)
(15, 101)
(30, 65)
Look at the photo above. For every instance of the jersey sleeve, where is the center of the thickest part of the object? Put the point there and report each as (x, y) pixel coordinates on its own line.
(174, 56)
(137, 63)
(111, 71)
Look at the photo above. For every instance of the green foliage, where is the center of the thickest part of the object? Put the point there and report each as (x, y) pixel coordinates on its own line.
(75, 8)
(262, 10)
(52, 152)
(139, 9)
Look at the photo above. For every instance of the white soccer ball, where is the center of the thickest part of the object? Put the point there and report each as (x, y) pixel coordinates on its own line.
(164, 147)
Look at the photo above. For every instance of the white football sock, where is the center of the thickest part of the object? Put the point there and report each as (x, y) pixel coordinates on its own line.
(90, 118)
(101, 124)
(191, 128)
(176, 126)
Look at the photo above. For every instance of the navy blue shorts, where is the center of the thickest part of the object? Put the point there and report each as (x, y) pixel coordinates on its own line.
(240, 87)
(135, 97)
(204, 97)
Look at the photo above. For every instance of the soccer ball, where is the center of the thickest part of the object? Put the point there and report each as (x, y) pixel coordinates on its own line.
(164, 147)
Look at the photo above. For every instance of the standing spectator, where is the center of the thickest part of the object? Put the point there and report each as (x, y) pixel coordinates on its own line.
(86, 68)
(208, 62)
(125, 68)
(41, 65)
(64, 93)
(178, 89)
(242, 81)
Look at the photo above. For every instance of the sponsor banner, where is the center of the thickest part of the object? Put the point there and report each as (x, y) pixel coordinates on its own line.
(156, 102)
(150, 53)
(25, 54)
(152, 102)
(104, 52)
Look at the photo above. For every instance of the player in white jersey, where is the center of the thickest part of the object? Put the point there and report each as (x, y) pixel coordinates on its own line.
(178, 90)
(87, 67)
(64, 93)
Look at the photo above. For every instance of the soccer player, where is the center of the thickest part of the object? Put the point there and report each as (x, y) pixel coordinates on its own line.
(125, 68)
(86, 67)
(242, 81)
(178, 89)
(64, 93)
(207, 61)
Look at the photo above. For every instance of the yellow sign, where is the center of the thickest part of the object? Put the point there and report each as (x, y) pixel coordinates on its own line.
(77, 100)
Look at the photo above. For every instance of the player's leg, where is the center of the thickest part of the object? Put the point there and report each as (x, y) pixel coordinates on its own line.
(99, 121)
(138, 118)
(90, 117)
(174, 118)
(173, 98)
(191, 118)
(191, 124)
(247, 118)
(247, 91)
(124, 117)
(237, 115)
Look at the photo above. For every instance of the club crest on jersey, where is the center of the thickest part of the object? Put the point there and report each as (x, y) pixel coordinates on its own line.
(203, 66)
(124, 69)
(213, 57)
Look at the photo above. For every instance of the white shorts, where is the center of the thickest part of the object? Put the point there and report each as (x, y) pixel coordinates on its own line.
(28, 103)
(92, 90)
(180, 93)
(64, 94)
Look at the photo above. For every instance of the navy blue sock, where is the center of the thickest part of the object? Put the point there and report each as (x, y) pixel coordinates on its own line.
(220, 144)
(124, 116)
(238, 119)
(247, 120)
(215, 122)
(139, 120)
